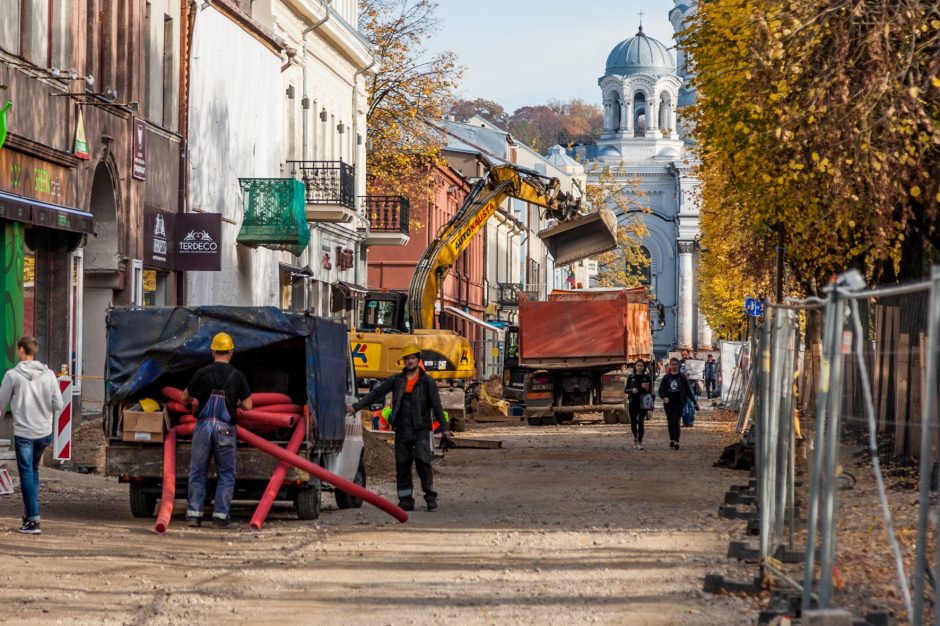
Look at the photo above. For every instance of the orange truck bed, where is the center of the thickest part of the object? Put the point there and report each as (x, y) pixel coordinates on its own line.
(585, 328)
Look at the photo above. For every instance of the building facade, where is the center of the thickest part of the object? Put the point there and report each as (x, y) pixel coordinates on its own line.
(648, 159)
(92, 145)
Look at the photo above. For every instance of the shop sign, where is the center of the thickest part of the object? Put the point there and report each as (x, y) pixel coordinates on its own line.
(81, 144)
(198, 239)
(3, 122)
(344, 258)
(139, 171)
(189, 242)
(33, 178)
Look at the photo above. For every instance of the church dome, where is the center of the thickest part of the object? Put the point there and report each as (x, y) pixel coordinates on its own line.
(640, 55)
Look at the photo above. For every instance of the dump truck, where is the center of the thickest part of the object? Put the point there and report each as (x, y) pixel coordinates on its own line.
(569, 353)
(301, 355)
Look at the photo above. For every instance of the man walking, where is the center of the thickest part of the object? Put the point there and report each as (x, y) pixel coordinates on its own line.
(416, 405)
(32, 392)
(711, 369)
(220, 390)
(675, 391)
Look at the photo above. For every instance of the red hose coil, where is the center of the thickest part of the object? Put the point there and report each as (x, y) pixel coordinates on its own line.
(172, 393)
(263, 398)
(262, 418)
(292, 409)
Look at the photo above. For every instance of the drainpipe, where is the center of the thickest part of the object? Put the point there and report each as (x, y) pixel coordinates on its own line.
(303, 36)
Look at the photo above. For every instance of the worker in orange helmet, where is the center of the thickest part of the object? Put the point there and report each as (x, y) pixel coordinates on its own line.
(416, 405)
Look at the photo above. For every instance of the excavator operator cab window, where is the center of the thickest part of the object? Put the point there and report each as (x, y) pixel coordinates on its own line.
(512, 343)
(379, 314)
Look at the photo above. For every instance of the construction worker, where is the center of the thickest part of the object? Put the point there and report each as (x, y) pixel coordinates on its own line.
(416, 405)
(221, 390)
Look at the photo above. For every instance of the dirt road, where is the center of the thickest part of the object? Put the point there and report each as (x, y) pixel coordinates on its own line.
(563, 524)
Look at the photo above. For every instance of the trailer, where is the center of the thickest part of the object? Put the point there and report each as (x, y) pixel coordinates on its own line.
(302, 355)
(573, 351)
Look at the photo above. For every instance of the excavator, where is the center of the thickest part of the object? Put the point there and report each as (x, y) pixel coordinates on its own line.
(447, 356)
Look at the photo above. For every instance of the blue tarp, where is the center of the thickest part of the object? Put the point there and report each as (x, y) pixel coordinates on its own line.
(150, 345)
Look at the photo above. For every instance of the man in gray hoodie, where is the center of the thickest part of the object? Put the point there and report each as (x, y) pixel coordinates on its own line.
(32, 392)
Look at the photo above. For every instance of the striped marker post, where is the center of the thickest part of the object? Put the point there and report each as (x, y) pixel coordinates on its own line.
(62, 424)
(6, 483)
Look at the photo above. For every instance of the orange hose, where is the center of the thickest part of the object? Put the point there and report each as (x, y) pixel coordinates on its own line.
(312, 468)
(277, 479)
(169, 475)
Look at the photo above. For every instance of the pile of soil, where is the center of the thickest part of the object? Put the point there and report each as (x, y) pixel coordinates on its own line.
(379, 456)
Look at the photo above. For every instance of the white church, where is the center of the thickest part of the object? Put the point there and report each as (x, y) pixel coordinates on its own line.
(647, 147)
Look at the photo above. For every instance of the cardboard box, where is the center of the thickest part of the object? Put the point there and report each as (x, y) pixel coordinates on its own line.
(144, 427)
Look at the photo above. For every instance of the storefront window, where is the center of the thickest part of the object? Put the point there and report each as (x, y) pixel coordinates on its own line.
(29, 292)
(156, 292)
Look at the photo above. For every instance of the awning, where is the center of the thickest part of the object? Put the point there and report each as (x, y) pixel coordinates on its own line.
(476, 320)
(22, 209)
(352, 290)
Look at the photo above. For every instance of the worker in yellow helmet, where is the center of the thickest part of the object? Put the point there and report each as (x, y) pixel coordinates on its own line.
(220, 390)
(416, 405)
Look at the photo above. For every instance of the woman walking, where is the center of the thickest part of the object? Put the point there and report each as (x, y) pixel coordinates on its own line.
(639, 400)
(675, 392)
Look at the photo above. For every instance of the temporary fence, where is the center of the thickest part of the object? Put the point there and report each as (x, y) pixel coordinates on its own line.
(873, 380)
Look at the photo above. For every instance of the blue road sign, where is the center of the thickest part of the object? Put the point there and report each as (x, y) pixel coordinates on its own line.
(753, 307)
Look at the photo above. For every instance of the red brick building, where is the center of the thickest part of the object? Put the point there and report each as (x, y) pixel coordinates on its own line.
(391, 268)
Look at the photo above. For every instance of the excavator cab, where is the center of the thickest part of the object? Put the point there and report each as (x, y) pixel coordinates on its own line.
(581, 237)
(384, 311)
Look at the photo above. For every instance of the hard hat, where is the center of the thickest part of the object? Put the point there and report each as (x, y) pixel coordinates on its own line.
(222, 342)
(446, 417)
(386, 412)
(409, 349)
(149, 405)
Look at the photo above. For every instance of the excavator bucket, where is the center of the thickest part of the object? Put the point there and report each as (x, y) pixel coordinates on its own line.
(582, 237)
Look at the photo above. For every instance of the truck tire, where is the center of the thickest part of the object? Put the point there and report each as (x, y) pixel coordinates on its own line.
(550, 420)
(346, 501)
(563, 417)
(623, 417)
(534, 421)
(611, 417)
(143, 500)
(308, 501)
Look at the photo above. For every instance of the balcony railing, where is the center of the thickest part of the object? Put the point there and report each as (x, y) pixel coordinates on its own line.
(509, 293)
(274, 214)
(327, 182)
(387, 214)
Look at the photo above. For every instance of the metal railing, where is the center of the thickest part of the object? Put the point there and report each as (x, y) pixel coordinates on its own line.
(387, 214)
(327, 182)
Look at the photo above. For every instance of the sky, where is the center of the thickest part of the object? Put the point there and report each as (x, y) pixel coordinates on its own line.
(524, 52)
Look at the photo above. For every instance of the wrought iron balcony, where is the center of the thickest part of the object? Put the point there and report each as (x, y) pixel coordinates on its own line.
(388, 220)
(508, 296)
(330, 189)
(274, 214)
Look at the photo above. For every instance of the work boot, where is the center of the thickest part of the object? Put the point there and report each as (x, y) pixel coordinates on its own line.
(193, 521)
(672, 443)
(406, 505)
(432, 505)
(221, 522)
(676, 447)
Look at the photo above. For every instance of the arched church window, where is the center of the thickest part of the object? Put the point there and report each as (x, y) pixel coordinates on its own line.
(615, 112)
(665, 112)
(639, 114)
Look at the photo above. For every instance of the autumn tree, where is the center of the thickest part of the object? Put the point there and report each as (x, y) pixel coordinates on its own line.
(817, 119)
(462, 110)
(409, 88)
(627, 265)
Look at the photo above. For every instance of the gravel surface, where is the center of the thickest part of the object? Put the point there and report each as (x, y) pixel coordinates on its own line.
(562, 524)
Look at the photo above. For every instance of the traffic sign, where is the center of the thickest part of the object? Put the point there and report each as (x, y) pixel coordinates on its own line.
(753, 307)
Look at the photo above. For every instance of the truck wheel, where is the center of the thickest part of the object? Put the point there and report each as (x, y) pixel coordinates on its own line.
(308, 501)
(346, 501)
(534, 421)
(563, 417)
(143, 500)
(550, 420)
(611, 417)
(622, 417)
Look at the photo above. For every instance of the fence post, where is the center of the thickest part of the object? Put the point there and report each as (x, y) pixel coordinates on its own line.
(762, 431)
(928, 419)
(827, 532)
(822, 404)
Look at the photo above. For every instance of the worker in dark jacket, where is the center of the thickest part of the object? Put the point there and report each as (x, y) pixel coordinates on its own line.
(675, 391)
(416, 405)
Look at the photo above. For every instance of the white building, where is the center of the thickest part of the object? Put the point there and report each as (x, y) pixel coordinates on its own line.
(652, 163)
(296, 111)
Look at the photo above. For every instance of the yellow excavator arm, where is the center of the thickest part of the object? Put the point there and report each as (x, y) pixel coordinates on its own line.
(499, 182)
